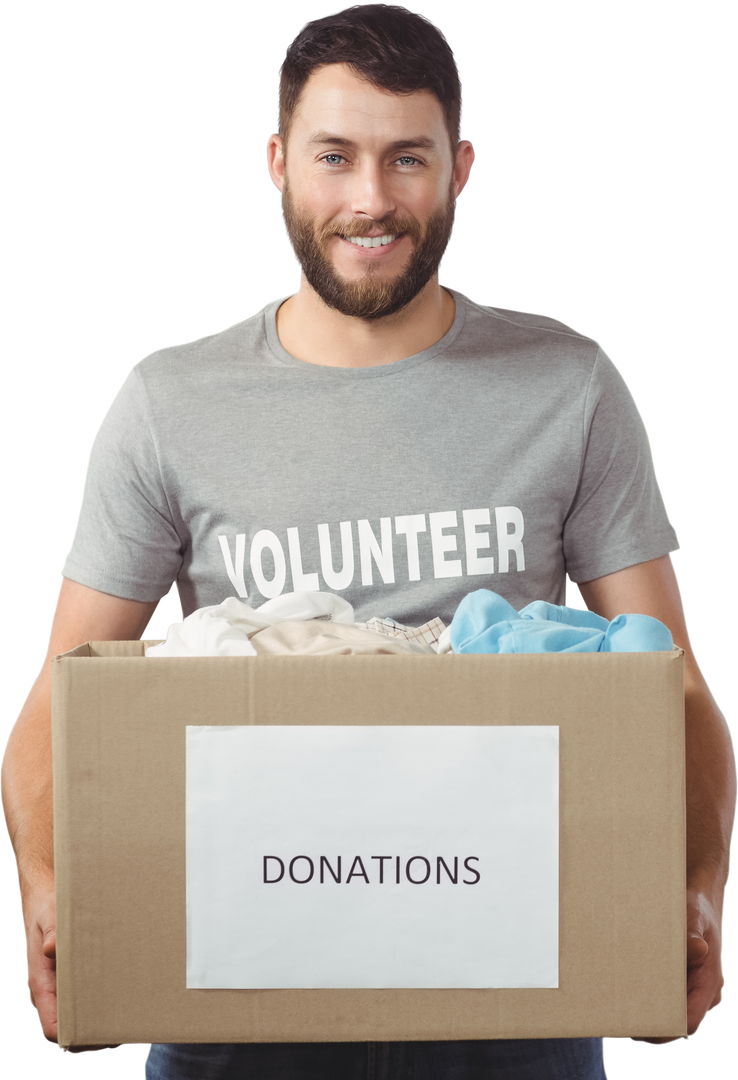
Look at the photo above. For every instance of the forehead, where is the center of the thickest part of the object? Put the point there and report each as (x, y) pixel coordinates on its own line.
(336, 99)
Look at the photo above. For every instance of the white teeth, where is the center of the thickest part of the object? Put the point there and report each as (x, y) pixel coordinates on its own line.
(370, 241)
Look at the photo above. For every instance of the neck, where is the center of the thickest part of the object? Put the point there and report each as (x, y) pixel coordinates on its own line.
(317, 334)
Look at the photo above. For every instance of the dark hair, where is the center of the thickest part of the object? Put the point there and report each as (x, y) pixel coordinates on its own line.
(389, 46)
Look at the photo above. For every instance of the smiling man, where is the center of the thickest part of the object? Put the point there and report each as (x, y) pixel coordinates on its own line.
(381, 436)
(368, 201)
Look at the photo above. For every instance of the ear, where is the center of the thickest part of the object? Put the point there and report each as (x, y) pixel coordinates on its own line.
(462, 166)
(275, 160)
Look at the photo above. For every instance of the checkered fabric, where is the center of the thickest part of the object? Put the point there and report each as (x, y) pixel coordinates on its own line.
(427, 634)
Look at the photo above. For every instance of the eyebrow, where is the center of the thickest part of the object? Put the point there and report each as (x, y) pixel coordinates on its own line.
(416, 142)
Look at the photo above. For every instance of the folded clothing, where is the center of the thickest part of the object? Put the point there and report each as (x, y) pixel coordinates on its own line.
(297, 622)
(318, 638)
(225, 629)
(486, 623)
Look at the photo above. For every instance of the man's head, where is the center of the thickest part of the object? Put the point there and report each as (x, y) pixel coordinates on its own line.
(369, 105)
(394, 48)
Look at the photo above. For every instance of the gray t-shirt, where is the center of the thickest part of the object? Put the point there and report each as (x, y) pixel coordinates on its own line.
(504, 456)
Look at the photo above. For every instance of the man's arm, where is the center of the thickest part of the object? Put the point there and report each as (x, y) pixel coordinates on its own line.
(82, 614)
(651, 589)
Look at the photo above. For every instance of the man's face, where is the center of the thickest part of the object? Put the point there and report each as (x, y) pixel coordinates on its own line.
(363, 163)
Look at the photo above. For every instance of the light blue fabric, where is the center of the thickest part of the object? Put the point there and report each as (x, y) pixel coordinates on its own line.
(485, 623)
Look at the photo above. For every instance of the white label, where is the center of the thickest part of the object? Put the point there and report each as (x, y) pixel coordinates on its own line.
(372, 857)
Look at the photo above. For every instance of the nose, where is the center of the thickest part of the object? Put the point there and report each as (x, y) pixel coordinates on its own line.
(371, 194)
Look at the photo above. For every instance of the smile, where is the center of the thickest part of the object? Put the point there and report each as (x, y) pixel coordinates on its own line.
(370, 241)
(373, 247)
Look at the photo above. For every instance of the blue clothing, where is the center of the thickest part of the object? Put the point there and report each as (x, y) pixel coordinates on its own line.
(508, 1059)
(485, 623)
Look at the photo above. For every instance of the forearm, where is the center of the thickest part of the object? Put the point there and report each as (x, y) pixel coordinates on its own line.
(711, 787)
(27, 790)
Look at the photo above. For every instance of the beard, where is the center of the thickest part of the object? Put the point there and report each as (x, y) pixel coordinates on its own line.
(370, 297)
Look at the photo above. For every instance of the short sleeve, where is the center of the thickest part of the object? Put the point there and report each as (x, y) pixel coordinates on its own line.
(126, 543)
(617, 518)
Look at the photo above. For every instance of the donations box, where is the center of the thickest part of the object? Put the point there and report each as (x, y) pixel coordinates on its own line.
(368, 847)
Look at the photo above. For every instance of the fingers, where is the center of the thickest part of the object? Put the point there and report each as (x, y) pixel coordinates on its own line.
(48, 943)
(715, 1006)
(706, 991)
(48, 1028)
(42, 965)
(697, 948)
(43, 1003)
(653, 1041)
(644, 1040)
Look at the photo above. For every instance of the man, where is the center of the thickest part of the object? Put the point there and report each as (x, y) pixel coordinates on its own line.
(383, 437)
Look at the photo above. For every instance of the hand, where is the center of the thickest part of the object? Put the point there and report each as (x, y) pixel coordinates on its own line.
(704, 971)
(40, 956)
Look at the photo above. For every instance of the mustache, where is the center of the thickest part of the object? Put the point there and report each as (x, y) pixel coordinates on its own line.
(389, 226)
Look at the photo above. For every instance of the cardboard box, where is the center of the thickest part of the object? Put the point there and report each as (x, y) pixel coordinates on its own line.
(119, 724)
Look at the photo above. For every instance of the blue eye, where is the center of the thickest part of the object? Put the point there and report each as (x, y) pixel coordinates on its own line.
(332, 159)
(406, 159)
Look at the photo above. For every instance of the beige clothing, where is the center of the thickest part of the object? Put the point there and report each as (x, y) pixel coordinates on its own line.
(318, 638)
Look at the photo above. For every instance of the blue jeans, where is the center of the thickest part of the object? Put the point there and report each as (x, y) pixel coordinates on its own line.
(508, 1059)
